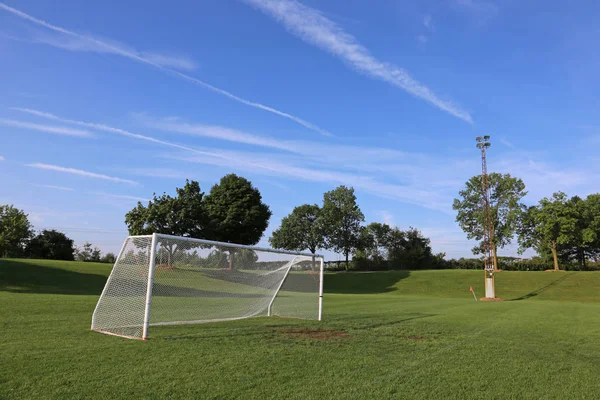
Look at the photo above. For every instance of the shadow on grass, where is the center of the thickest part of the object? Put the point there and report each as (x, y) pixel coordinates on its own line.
(542, 289)
(374, 323)
(363, 282)
(28, 277)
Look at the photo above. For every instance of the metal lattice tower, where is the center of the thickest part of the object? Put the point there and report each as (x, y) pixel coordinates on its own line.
(488, 229)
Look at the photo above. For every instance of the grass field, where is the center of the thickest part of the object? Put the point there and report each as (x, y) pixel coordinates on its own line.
(416, 335)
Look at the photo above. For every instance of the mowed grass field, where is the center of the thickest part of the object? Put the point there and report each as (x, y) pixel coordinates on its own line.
(413, 335)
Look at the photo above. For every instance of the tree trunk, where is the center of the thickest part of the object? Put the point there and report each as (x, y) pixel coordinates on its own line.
(555, 256)
(346, 261)
(495, 257)
(231, 252)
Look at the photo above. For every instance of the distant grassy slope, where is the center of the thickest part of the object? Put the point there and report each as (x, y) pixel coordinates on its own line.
(416, 335)
(568, 286)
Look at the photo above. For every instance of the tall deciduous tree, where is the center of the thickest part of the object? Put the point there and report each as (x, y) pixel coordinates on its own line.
(550, 224)
(236, 211)
(301, 230)
(52, 245)
(15, 230)
(182, 215)
(506, 193)
(341, 219)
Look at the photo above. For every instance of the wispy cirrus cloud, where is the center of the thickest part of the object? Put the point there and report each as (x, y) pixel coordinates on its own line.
(387, 217)
(107, 46)
(106, 128)
(314, 28)
(144, 59)
(480, 10)
(119, 196)
(2, 158)
(63, 188)
(80, 172)
(57, 130)
(212, 131)
(428, 22)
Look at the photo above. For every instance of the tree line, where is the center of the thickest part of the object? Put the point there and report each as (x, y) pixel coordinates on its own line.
(19, 239)
(562, 231)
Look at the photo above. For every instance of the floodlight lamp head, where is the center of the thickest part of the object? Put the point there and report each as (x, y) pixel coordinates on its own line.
(486, 137)
(478, 138)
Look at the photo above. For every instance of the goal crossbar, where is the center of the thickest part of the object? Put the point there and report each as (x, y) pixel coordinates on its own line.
(170, 280)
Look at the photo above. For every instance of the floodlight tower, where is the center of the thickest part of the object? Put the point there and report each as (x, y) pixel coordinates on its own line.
(488, 225)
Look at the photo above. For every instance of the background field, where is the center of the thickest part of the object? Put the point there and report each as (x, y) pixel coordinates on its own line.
(386, 334)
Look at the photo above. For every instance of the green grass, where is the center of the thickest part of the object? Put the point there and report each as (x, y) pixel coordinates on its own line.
(416, 335)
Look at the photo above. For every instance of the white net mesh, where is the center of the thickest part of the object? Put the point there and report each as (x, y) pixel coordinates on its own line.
(198, 281)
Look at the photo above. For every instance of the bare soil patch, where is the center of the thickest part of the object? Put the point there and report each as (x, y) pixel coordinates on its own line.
(490, 299)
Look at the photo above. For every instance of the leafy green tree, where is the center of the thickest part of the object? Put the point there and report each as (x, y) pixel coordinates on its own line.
(506, 193)
(15, 230)
(301, 230)
(550, 224)
(85, 253)
(245, 259)
(341, 219)
(182, 215)
(374, 239)
(51, 245)
(108, 258)
(417, 250)
(585, 237)
(236, 211)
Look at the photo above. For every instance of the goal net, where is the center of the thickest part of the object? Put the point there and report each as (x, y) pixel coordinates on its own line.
(168, 280)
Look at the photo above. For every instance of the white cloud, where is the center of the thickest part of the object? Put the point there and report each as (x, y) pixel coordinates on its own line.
(58, 130)
(142, 58)
(310, 149)
(387, 217)
(106, 128)
(480, 10)
(2, 158)
(314, 28)
(213, 131)
(119, 196)
(80, 172)
(506, 143)
(428, 22)
(107, 46)
(422, 39)
(67, 189)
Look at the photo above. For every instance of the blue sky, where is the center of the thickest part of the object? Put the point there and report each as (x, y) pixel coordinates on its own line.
(104, 103)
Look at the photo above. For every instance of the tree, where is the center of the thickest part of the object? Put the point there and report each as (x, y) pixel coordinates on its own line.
(108, 258)
(548, 225)
(506, 207)
(301, 230)
(374, 239)
(236, 211)
(87, 253)
(183, 215)
(15, 230)
(52, 245)
(416, 252)
(341, 220)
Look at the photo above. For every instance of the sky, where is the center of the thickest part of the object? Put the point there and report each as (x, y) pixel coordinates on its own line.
(103, 104)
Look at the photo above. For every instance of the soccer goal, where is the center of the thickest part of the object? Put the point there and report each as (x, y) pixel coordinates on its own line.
(168, 280)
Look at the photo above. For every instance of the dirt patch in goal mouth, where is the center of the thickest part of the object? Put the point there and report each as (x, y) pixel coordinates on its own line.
(318, 334)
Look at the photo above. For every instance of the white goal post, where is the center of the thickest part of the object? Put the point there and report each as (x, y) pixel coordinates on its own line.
(169, 280)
